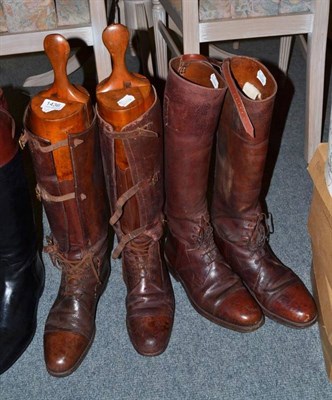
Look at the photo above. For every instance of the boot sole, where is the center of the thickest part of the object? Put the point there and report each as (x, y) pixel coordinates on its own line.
(277, 318)
(208, 316)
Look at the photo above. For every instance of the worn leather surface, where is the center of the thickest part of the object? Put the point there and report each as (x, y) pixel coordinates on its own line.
(8, 143)
(149, 300)
(240, 225)
(78, 246)
(3, 101)
(191, 113)
(21, 270)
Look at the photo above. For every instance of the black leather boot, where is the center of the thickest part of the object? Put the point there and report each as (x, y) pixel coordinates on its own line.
(21, 270)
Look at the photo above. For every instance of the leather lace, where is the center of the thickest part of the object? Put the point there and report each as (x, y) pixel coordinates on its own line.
(74, 271)
(204, 239)
(140, 250)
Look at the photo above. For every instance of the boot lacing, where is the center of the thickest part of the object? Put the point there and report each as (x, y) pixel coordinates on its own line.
(139, 249)
(261, 232)
(204, 239)
(74, 271)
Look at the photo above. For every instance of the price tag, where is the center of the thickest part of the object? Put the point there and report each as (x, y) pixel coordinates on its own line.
(261, 77)
(251, 91)
(126, 100)
(51, 105)
(214, 81)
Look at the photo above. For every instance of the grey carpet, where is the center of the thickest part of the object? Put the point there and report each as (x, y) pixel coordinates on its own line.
(203, 360)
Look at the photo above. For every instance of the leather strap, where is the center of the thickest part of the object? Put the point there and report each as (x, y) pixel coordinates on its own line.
(132, 134)
(25, 137)
(237, 99)
(41, 193)
(126, 239)
(119, 210)
(129, 194)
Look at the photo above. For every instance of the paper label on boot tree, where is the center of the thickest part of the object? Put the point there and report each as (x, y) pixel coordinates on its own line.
(261, 77)
(126, 100)
(51, 105)
(251, 91)
(214, 81)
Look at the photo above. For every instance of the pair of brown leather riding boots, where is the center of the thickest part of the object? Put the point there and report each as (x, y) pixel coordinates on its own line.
(227, 268)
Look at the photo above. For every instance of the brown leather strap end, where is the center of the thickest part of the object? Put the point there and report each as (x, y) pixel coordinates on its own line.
(243, 115)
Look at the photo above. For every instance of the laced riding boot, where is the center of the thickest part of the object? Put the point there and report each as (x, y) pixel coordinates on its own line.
(77, 213)
(193, 97)
(21, 270)
(136, 200)
(240, 226)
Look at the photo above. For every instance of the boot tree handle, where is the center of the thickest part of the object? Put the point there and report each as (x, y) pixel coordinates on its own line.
(57, 50)
(116, 39)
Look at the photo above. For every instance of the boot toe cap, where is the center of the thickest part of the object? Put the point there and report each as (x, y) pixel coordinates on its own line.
(295, 307)
(241, 311)
(64, 352)
(150, 334)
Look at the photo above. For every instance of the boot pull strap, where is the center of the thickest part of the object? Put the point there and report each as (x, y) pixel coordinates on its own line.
(237, 100)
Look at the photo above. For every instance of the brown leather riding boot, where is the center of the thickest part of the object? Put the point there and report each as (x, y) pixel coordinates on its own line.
(77, 213)
(191, 110)
(240, 225)
(136, 209)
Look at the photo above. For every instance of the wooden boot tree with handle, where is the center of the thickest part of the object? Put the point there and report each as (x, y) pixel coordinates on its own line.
(63, 139)
(131, 144)
(122, 83)
(61, 109)
(122, 98)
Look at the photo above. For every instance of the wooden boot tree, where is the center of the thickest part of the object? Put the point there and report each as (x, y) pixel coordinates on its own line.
(61, 109)
(122, 83)
(118, 87)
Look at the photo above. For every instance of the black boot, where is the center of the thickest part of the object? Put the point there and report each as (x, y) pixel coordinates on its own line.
(21, 270)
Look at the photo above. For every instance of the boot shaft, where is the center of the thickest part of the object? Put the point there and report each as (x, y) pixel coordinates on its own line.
(76, 209)
(240, 158)
(191, 111)
(3, 101)
(17, 232)
(143, 143)
(8, 142)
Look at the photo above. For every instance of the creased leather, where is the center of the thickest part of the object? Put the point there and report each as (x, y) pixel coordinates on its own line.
(78, 245)
(241, 230)
(150, 300)
(21, 270)
(191, 113)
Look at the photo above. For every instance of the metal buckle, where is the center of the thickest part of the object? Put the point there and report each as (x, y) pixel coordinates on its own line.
(38, 193)
(155, 178)
(269, 223)
(22, 141)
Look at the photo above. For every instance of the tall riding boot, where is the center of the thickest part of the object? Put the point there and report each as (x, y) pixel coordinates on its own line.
(21, 270)
(77, 213)
(240, 225)
(137, 220)
(191, 111)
